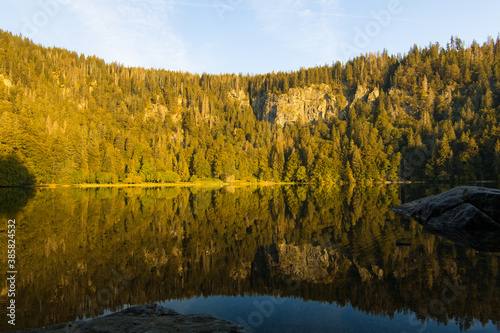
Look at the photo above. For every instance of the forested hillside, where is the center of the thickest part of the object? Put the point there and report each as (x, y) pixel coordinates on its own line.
(67, 118)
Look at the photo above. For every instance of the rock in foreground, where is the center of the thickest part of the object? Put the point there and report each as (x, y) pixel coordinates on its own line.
(147, 319)
(468, 216)
(466, 207)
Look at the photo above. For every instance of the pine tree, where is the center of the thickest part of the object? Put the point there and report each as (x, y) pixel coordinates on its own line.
(182, 168)
(265, 173)
(443, 157)
(201, 167)
(301, 174)
(348, 175)
(292, 165)
(277, 161)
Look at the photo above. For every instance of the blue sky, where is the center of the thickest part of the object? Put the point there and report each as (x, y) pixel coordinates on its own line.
(245, 36)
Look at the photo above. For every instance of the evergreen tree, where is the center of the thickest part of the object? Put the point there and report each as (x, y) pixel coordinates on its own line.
(72, 119)
(292, 165)
(301, 174)
(265, 173)
(277, 161)
(182, 168)
(201, 167)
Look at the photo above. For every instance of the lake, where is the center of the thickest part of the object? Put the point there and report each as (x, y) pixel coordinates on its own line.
(274, 259)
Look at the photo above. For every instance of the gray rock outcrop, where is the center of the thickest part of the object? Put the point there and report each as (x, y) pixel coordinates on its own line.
(307, 104)
(466, 215)
(147, 319)
(464, 207)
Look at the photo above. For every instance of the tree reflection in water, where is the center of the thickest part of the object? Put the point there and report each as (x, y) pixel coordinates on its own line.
(337, 245)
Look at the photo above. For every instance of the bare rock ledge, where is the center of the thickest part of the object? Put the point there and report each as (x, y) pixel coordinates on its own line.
(147, 319)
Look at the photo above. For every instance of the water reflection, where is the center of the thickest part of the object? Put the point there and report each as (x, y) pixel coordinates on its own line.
(84, 251)
(13, 199)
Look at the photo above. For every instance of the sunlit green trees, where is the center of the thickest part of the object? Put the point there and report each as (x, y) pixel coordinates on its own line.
(76, 119)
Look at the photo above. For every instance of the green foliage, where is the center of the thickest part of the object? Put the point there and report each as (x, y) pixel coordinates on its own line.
(277, 162)
(105, 178)
(301, 174)
(132, 179)
(178, 243)
(292, 166)
(182, 167)
(201, 167)
(76, 119)
(13, 172)
(168, 177)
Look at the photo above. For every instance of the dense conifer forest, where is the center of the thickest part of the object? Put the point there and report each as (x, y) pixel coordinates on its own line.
(67, 118)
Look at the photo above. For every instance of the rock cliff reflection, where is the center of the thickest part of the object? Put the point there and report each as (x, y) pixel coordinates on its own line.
(82, 251)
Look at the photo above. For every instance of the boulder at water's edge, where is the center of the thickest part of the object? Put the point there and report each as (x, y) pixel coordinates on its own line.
(466, 207)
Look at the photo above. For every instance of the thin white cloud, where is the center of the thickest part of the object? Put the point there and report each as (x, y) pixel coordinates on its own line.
(303, 26)
(136, 33)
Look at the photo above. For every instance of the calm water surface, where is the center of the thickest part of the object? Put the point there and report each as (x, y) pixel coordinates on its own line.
(274, 259)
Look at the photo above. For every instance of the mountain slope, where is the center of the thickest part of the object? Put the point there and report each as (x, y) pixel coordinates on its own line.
(66, 118)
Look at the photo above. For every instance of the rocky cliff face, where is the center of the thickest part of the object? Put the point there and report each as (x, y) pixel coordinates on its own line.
(307, 104)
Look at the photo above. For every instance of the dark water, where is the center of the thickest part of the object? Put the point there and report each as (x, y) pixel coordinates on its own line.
(275, 259)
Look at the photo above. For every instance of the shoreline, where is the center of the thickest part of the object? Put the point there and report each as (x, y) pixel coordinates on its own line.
(221, 184)
(210, 184)
(180, 184)
(142, 318)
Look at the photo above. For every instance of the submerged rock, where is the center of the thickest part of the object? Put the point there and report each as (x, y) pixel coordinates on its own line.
(147, 318)
(466, 215)
(464, 207)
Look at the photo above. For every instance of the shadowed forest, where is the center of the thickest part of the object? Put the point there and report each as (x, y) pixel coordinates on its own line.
(66, 118)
